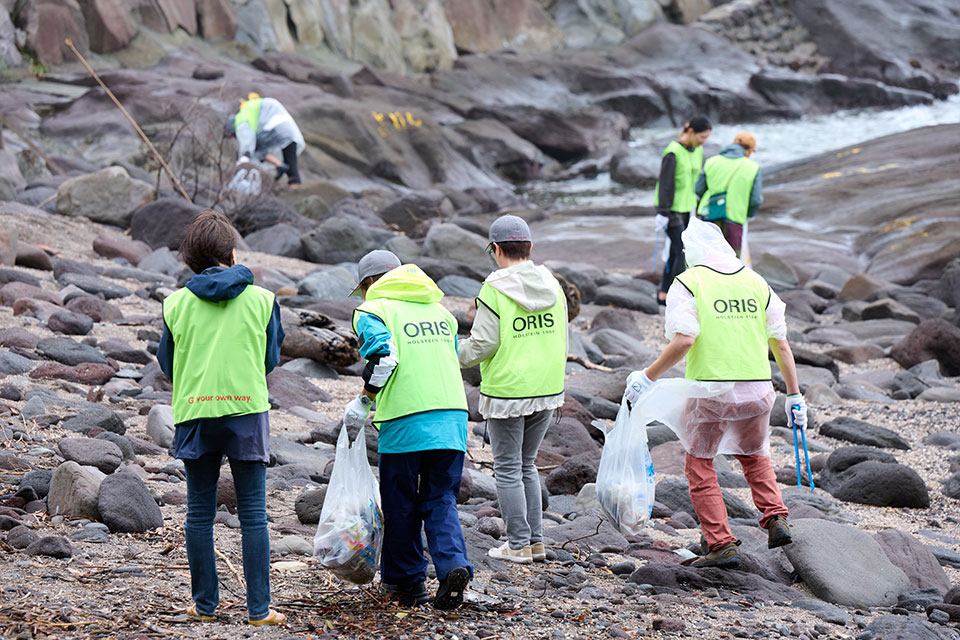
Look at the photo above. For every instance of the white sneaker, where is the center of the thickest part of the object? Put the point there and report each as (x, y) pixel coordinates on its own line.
(538, 551)
(504, 552)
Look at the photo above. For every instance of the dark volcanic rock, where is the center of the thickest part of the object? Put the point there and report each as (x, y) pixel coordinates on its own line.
(291, 390)
(70, 323)
(163, 222)
(569, 477)
(94, 285)
(860, 432)
(126, 506)
(688, 578)
(53, 546)
(932, 340)
(675, 494)
(309, 504)
(69, 352)
(83, 373)
(91, 452)
(882, 484)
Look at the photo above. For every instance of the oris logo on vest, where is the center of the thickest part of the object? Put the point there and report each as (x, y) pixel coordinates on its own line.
(426, 332)
(533, 325)
(734, 309)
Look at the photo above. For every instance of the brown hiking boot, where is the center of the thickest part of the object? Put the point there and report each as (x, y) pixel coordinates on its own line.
(778, 533)
(726, 557)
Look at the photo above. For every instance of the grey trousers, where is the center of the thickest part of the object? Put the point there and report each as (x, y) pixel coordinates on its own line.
(515, 442)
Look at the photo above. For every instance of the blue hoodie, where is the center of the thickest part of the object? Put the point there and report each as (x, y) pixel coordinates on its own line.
(244, 437)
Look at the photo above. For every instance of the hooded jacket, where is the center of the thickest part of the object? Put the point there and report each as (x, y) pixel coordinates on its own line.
(534, 289)
(422, 430)
(276, 129)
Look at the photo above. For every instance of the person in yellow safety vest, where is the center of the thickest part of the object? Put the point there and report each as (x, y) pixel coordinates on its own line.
(731, 183)
(519, 339)
(674, 197)
(723, 317)
(409, 341)
(263, 125)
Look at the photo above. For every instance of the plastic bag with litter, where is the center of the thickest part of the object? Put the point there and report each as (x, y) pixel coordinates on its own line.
(626, 481)
(246, 181)
(350, 531)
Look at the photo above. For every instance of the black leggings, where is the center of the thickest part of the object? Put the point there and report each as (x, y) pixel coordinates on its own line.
(676, 263)
(290, 159)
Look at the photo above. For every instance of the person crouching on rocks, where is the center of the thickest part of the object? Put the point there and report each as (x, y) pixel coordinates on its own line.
(263, 125)
(221, 336)
(410, 344)
(722, 317)
(519, 339)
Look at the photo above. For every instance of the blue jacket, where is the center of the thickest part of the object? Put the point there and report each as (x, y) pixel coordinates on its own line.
(425, 431)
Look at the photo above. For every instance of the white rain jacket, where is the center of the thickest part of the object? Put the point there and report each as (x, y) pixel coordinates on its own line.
(737, 421)
(532, 287)
(276, 129)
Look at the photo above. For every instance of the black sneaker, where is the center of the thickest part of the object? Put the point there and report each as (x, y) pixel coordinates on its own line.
(450, 591)
(778, 533)
(408, 596)
(282, 169)
(726, 557)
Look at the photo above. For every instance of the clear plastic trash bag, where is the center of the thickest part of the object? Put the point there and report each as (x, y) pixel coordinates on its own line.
(350, 531)
(625, 480)
(247, 181)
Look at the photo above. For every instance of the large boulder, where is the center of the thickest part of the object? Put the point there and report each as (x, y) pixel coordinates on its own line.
(163, 222)
(452, 242)
(483, 27)
(341, 239)
(934, 339)
(332, 283)
(69, 352)
(126, 506)
(48, 23)
(291, 390)
(882, 484)
(110, 24)
(869, 39)
(109, 196)
(74, 490)
(160, 427)
(832, 559)
(111, 244)
(217, 19)
(916, 560)
(564, 440)
(280, 239)
(600, 22)
(569, 477)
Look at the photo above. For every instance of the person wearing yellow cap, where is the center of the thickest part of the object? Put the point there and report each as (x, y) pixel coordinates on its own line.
(262, 126)
(730, 188)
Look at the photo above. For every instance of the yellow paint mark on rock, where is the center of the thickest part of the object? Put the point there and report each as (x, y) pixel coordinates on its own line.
(832, 174)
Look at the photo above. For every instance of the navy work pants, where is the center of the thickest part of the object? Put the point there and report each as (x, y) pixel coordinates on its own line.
(418, 490)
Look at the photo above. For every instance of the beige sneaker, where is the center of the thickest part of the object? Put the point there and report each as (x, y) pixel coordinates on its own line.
(504, 552)
(538, 551)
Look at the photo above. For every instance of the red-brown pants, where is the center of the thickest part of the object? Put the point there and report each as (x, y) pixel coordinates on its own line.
(708, 500)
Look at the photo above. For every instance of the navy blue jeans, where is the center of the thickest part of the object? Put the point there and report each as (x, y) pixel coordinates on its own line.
(418, 490)
(249, 479)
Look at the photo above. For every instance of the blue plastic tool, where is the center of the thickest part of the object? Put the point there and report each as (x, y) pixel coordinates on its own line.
(796, 448)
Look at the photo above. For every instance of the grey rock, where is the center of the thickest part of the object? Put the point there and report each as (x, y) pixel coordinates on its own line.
(492, 526)
(585, 524)
(126, 506)
(70, 323)
(459, 286)
(94, 285)
(824, 610)
(612, 341)
(946, 557)
(404, 248)
(911, 555)
(21, 537)
(889, 308)
(291, 545)
(584, 276)
(333, 283)
(452, 242)
(678, 577)
(101, 454)
(126, 449)
(832, 559)
(74, 490)
(33, 407)
(280, 240)
(894, 627)
(12, 364)
(311, 369)
(38, 480)
(68, 351)
(52, 546)
(940, 394)
(288, 389)
(946, 439)
(309, 504)
(94, 415)
(109, 196)
(284, 452)
(951, 488)
(341, 239)
(860, 432)
(160, 427)
(919, 599)
(483, 486)
(882, 484)
(162, 260)
(627, 298)
(675, 494)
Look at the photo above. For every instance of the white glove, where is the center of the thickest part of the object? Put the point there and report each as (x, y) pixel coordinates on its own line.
(796, 410)
(660, 222)
(243, 160)
(355, 415)
(637, 384)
